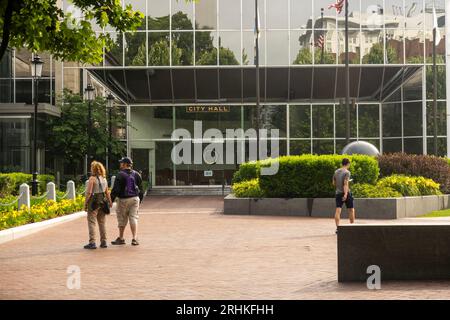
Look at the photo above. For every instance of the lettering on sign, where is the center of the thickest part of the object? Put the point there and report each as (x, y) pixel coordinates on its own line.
(206, 109)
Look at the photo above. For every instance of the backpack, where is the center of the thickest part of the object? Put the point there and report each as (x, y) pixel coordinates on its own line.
(131, 189)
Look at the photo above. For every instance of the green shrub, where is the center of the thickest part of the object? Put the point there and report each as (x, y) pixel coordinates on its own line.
(410, 186)
(431, 167)
(365, 190)
(247, 171)
(10, 182)
(248, 189)
(307, 176)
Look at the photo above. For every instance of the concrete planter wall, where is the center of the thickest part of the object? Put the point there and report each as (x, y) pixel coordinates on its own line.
(377, 208)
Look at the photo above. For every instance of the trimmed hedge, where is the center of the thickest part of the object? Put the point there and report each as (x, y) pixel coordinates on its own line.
(248, 189)
(307, 176)
(10, 182)
(431, 167)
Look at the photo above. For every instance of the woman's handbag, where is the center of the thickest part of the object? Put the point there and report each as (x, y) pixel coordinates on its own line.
(103, 204)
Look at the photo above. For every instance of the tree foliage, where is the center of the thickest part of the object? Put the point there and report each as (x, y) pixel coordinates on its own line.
(67, 136)
(40, 25)
(304, 56)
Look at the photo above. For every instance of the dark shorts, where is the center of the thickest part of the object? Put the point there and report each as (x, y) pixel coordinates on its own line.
(348, 202)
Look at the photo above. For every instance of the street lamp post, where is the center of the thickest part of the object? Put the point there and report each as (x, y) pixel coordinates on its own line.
(36, 73)
(110, 106)
(89, 96)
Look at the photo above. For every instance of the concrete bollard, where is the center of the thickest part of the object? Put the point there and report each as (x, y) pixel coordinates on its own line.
(24, 190)
(113, 179)
(51, 191)
(71, 194)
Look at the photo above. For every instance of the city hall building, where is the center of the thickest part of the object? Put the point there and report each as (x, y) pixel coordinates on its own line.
(196, 62)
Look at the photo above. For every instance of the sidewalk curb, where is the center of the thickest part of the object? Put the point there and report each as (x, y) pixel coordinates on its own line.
(25, 230)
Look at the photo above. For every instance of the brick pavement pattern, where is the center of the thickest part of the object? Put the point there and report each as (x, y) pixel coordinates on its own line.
(189, 250)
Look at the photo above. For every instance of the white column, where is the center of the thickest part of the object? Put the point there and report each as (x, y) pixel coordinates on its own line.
(447, 69)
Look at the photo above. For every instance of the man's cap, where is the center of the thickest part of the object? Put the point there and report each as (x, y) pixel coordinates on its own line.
(126, 160)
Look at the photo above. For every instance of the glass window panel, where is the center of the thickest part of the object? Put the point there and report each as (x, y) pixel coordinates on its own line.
(249, 84)
(230, 84)
(323, 146)
(441, 145)
(300, 121)
(182, 15)
(277, 84)
(392, 145)
(206, 14)
(182, 48)
(230, 48)
(160, 85)
(6, 64)
(159, 50)
(412, 89)
(183, 84)
(413, 145)
(270, 117)
(277, 48)
(412, 119)
(301, 48)
(324, 83)
(372, 46)
(371, 82)
(114, 57)
(354, 82)
(164, 165)
(24, 93)
(440, 49)
(301, 14)
(137, 85)
(298, 147)
(248, 52)
(158, 9)
(206, 48)
(414, 46)
(440, 13)
(135, 49)
(229, 14)
(22, 60)
(328, 54)
(151, 122)
(341, 121)
(248, 15)
(207, 84)
(441, 82)
(394, 46)
(441, 118)
(392, 118)
(368, 121)
(6, 90)
(372, 14)
(277, 14)
(300, 83)
(322, 121)
(394, 13)
(228, 118)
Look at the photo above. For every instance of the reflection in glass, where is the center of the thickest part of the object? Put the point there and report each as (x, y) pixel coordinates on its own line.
(341, 121)
(322, 121)
(440, 116)
(300, 121)
(206, 14)
(277, 14)
(206, 48)
(182, 15)
(277, 48)
(135, 49)
(392, 118)
(412, 119)
(229, 14)
(182, 48)
(159, 50)
(368, 121)
(298, 147)
(301, 13)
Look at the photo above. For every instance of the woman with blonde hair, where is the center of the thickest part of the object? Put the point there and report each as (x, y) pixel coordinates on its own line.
(97, 204)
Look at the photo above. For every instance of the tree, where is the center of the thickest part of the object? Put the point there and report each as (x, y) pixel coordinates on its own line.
(43, 26)
(376, 55)
(304, 56)
(158, 54)
(68, 140)
(226, 57)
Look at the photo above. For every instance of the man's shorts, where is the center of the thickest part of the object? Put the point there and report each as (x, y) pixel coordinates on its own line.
(127, 209)
(348, 202)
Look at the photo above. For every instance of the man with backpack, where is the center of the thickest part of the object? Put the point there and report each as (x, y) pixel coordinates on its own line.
(128, 189)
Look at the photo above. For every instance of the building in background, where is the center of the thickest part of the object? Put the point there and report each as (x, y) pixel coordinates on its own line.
(202, 54)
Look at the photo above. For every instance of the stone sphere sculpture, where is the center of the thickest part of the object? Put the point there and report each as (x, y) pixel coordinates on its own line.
(360, 147)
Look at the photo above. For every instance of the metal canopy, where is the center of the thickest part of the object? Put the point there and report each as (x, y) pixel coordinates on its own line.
(192, 85)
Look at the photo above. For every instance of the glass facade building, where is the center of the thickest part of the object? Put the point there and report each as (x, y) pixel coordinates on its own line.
(202, 54)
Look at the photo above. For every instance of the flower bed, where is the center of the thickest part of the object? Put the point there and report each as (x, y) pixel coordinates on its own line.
(44, 210)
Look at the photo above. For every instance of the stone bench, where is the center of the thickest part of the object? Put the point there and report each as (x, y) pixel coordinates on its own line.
(414, 249)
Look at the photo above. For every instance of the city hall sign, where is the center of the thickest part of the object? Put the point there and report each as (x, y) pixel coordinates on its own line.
(207, 109)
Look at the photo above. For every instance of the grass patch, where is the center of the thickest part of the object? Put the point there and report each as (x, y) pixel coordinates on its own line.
(437, 214)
